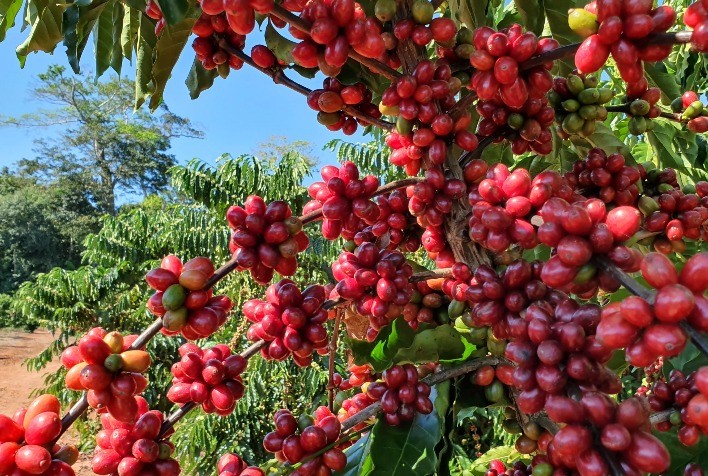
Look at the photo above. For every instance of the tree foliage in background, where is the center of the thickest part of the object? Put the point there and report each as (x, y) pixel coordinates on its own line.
(105, 145)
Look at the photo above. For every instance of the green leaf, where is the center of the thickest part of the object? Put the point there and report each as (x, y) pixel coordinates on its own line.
(77, 32)
(407, 450)
(607, 140)
(532, 14)
(506, 454)
(199, 79)
(659, 77)
(682, 455)
(381, 351)
(689, 360)
(168, 49)
(358, 458)
(440, 344)
(117, 55)
(662, 139)
(71, 38)
(129, 34)
(45, 19)
(8, 13)
(103, 38)
(174, 10)
(470, 13)
(281, 47)
(557, 14)
(144, 53)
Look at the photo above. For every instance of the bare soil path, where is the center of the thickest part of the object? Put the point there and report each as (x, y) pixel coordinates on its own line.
(17, 383)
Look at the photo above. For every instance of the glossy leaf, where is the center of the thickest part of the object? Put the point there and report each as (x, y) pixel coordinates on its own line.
(168, 49)
(199, 79)
(143, 69)
(281, 47)
(661, 78)
(359, 461)
(532, 14)
(8, 13)
(174, 10)
(45, 20)
(470, 13)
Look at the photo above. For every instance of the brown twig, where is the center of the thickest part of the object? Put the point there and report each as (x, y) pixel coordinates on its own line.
(279, 77)
(471, 155)
(386, 188)
(305, 26)
(432, 274)
(332, 354)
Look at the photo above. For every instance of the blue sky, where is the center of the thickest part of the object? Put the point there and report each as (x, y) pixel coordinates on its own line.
(236, 114)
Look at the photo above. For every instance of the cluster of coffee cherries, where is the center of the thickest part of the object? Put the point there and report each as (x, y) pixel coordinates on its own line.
(138, 448)
(266, 238)
(676, 394)
(502, 202)
(337, 29)
(421, 28)
(291, 321)
(432, 199)
(650, 331)
(345, 200)
(334, 97)
(182, 300)
(421, 101)
(401, 394)
(621, 28)
(232, 465)
(624, 434)
(210, 377)
(393, 222)
(696, 17)
(105, 364)
(677, 215)
(606, 177)
(642, 109)
(216, 25)
(581, 230)
(293, 443)
(425, 306)
(376, 281)
(27, 441)
(692, 111)
(578, 102)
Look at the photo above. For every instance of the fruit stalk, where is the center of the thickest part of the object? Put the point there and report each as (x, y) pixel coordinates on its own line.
(468, 157)
(432, 274)
(279, 77)
(304, 26)
(625, 109)
(389, 187)
(332, 354)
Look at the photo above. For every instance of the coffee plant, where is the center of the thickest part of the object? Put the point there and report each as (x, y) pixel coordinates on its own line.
(538, 258)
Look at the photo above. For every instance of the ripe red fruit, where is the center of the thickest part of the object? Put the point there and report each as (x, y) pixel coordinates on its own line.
(591, 55)
(43, 428)
(33, 459)
(673, 303)
(647, 453)
(658, 270)
(623, 222)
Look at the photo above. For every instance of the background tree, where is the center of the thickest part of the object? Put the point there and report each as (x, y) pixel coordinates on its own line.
(105, 144)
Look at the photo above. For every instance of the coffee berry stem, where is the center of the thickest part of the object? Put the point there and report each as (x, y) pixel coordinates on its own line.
(304, 26)
(382, 190)
(624, 108)
(635, 287)
(278, 76)
(432, 274)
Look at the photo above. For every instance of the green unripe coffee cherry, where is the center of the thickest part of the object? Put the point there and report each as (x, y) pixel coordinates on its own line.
(590, 81)
(675, 418)
(648, 205)
(688, 188)
(575, 84)
(650, 125)
(639, 107)
(570, 105)
(442, 316)
(693, 110)
(495, 346)
(455, 308)
(585, 274)
(385, 10)
(349, 246)
(175, 320)
(423, 12)
(165, 451)
(304, 421)
(515, 121)
(327, 118)
(403, 126)
(606, 94)
(173, 297)
(589, 112)
(589, 96)
(464, 50)
(589, 128)
(637, 125)
(113, 363)
(677, 104)
(465, 36)
(664, 187)
(478, 335)
(650, 167)
(495, 392)
(511, 426)
(543, 469)
(582, 22)
(573, 123)
(600, 113)
(463, 77)
(554, 98)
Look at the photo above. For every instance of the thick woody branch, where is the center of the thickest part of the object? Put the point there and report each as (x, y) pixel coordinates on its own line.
(432, 274)
(305, 26)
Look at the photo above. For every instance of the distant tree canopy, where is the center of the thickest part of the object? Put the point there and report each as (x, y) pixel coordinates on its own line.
(105, 144)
